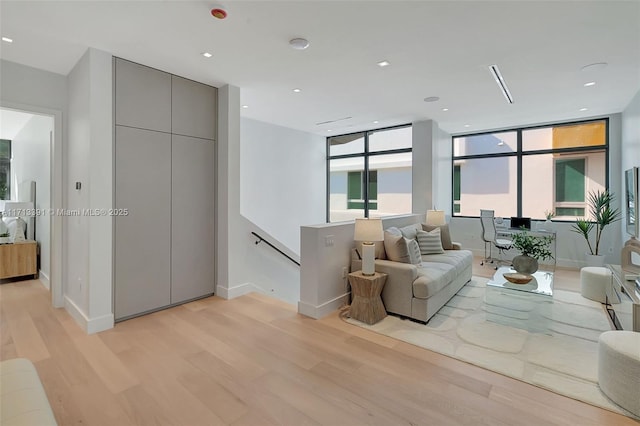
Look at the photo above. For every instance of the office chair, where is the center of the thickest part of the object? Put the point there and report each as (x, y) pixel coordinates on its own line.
(489, 236)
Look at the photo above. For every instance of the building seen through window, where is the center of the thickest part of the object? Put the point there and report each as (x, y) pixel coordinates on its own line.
(369, 174)
(530, 171)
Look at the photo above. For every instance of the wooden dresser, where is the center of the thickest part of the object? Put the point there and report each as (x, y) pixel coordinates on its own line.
(19, 259)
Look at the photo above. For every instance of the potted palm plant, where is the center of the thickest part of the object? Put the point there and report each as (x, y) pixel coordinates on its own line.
(602, 214)
(532, 249)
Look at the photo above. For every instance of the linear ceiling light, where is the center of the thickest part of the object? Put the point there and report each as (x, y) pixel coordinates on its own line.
(500, 81)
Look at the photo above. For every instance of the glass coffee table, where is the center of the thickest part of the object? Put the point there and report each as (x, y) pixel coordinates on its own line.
(542, 282)
(525, 306)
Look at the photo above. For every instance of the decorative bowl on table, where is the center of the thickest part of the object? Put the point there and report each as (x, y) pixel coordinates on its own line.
(517, 278)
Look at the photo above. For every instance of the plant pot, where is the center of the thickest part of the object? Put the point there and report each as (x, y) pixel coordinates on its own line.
(594, 259)
(525, 264)
(5, 240)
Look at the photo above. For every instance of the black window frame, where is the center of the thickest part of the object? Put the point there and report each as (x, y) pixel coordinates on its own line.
(366, 154)
(520, 153)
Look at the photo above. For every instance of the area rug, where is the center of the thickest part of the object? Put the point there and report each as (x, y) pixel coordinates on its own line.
(548, 342)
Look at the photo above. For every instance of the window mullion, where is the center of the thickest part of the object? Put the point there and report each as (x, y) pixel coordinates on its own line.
(365, 190)
(519, 174)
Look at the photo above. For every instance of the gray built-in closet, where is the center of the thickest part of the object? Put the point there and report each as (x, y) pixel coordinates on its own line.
(165, 132)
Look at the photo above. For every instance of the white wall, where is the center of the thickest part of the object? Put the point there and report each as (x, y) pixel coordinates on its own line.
(282, 179)
(243, 266)
(31, 86)
(31, 161)
(630, 147)
(76, 229)
(88, 241)
(423, 161)
(442, 172)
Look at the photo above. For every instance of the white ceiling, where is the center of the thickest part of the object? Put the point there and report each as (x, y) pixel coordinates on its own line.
(436, 48)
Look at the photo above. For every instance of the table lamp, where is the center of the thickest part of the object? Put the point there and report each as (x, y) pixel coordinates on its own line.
(368, 231)
(435, 218)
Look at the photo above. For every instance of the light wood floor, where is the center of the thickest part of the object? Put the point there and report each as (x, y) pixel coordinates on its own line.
(255, 361)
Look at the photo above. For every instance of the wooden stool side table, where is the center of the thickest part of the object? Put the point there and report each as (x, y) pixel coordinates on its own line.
(367, 304)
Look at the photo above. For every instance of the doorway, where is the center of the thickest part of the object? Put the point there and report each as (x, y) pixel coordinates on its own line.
(35, 149)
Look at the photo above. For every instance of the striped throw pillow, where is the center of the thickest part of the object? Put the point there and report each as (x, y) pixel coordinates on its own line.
(430, 242)
(414, 252)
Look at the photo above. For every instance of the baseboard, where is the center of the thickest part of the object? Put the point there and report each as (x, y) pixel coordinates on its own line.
(237, 291)
(89, 325)
(324, 309)
(44, 279)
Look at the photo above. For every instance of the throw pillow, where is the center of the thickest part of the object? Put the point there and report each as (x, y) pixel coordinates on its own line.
(415, 256)
(430, 242)
(410, 231)
(445, 235)
(396, 247)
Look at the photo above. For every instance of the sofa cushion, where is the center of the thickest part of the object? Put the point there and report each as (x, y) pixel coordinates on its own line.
(430, 242)
(432, 278)
(445, 235)
(439, 270)
(395, 246)
(415, 257)
(410, 231)
(452, 257)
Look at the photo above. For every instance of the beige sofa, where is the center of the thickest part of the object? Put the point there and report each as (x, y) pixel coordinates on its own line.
(417, 288)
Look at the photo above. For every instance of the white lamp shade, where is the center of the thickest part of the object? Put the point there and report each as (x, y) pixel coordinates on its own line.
(435, 217)
(368, 230)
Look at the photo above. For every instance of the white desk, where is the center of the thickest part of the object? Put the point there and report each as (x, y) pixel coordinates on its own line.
(508, 232)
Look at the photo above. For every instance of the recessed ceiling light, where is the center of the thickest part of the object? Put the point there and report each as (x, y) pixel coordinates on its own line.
(207, 54)
(7, 39)
(384, 63)
(375, 121)
(445, 109)
(432, 99)
(584, 109)
(245, 106)
(297, 90)
(591, 83)
(299, 43)
(467, 125)
(329, 130)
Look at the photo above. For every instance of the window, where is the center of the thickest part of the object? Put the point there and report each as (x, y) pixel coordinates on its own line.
(5, 169)
(456, 188)
(529, 171)
(369, 174)
(570, 187)
(355, 193)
